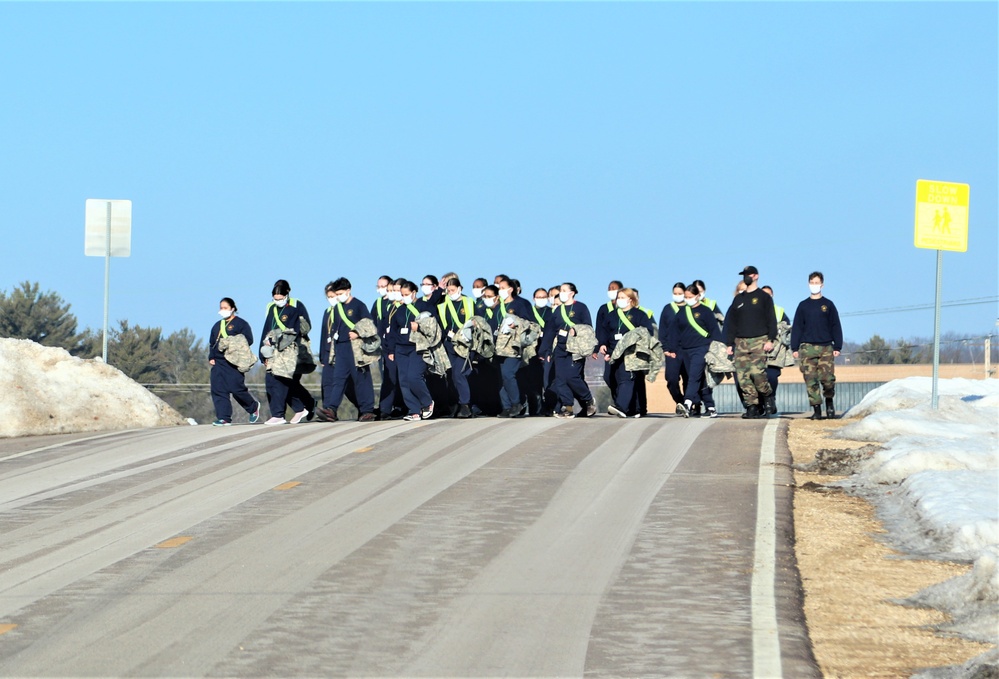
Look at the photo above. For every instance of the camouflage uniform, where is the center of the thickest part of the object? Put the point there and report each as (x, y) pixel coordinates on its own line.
(751, 369)
(817, 365)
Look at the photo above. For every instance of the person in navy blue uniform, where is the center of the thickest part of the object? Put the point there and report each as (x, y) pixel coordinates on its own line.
(630, 384)
(603, 312)
(535, 374)
(411, 366)
(689, 338)
(391, 404)
(569, 381)
(454, 312)
(484, 381)
(511, 304)
(286, 312)
(225, 378)
(675, 373)
(336, 354)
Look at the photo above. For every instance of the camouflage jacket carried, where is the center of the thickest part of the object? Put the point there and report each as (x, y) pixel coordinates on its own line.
(641, 351)
(475, 339)
(717, 364)
(518, 338)
(367, 347)
(781, 356)
(582, 342)
(429, 344)
(237, 351)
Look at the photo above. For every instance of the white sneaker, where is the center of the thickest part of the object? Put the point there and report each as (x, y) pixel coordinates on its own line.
(686, 406)
(412, 417)
(614, 411)
(275, 420)
(299, 416)
(428, 412)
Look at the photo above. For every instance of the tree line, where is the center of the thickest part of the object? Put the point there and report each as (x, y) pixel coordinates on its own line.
(181, 358)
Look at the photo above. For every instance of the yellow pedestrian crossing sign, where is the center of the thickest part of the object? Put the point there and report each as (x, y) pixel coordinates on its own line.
(942, 215)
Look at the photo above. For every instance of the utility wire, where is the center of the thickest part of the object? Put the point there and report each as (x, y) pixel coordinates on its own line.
(921, 307)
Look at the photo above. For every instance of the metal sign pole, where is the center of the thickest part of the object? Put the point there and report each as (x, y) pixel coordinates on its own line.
(107, 281)
(935, 398)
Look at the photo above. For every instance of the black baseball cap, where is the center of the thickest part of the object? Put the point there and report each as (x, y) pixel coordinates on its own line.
(749, 270)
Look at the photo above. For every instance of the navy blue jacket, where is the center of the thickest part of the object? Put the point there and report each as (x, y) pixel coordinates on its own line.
(666, 320)
(606, 309)
(577, 314)
(448, 321)
(492, 316)
(234, 326)
(816, 321)
(681, 335)
(518, 306)
(613, 325)
(335, 324)
(290, 315)
(397, 341)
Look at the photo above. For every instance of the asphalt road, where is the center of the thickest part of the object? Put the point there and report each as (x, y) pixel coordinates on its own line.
(487, 547)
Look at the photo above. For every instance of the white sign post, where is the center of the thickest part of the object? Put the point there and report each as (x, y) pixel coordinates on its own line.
(108, 234)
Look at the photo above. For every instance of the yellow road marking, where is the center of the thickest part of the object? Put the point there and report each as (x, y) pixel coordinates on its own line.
(6, 628)
(365, 449)
(286, 486)
(174, 542)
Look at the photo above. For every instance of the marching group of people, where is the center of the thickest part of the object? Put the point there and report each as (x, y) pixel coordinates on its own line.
(442, 352)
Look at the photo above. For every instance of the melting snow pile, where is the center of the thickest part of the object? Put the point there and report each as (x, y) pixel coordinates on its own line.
(44, 390)
(936, 483)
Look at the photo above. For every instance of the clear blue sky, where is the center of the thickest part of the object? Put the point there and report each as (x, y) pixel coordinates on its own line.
(651, 142)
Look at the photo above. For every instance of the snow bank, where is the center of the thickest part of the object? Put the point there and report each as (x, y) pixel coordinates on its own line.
(936, 484)
(44, 390)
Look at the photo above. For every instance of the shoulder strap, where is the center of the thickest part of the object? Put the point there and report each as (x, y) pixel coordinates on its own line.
(624, 319)
(693, 324)
(346, 321)
(565, 316)
(277, 316)
(538, 316)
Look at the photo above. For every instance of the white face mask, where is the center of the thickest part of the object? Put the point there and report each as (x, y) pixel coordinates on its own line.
(332, 300)
(343, 297)
(490, 302)
(382, 292)
(281, 302)
(612, 295)
(563, 297)
(225, 313)
(692, 301)
(541, 302)
(678, 299)
(456, 296)
(477, 292)
(394, 296)
(623, 303)
(406, 299)
(814, 289)
(504, 293)
(427, 290)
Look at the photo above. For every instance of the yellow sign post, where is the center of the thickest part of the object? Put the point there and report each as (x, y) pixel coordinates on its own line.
(942, 215)
(941, 224)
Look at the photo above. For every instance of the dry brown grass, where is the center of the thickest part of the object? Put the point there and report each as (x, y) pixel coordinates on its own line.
(849, 578)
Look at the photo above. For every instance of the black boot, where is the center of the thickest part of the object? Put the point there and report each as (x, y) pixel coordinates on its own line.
(816, 413)
(771, 406)
(830, 410)
(752, 412)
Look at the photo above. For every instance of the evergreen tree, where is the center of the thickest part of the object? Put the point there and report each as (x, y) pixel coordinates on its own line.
(27, 313)
(875, 351)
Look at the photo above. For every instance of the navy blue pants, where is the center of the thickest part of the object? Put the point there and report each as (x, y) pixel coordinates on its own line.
(773, 374)
(629, 394)
(485, 384)
(697, 391)
(509, 392)
(283, 392)
(609, 378)
(413, 381)
(534, 385)
(460, 370)
(674, 373)
(226, 380)
(551, 398)
(569, 382)
(335, 380)
(390, 395)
